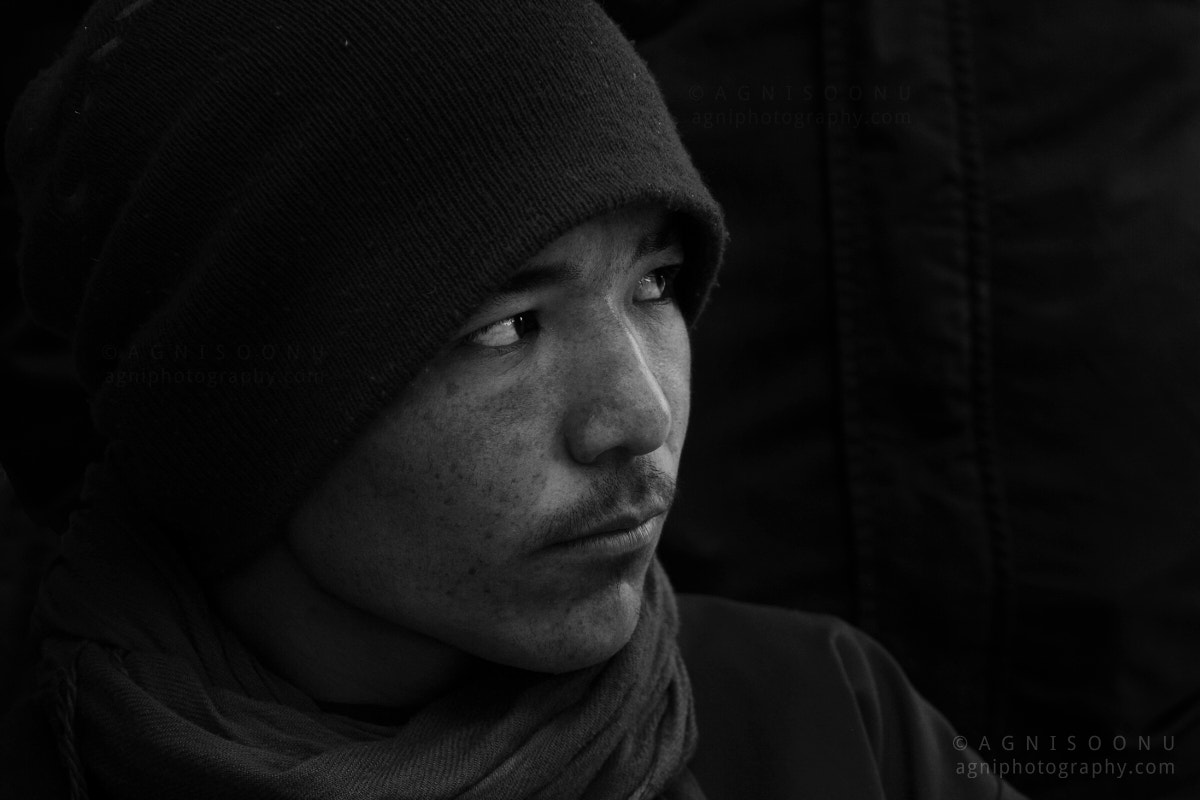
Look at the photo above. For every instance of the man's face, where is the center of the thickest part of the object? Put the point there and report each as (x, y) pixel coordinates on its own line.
(510, 502)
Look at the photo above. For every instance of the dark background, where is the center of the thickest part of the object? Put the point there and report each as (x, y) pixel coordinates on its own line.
(45, 431)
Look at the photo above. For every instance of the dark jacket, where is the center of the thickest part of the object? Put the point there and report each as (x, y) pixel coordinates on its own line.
(797, 705)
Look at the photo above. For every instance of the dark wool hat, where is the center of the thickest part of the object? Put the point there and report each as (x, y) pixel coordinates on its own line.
(257, 219)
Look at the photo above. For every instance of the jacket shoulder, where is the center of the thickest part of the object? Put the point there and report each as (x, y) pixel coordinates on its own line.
(796, 704)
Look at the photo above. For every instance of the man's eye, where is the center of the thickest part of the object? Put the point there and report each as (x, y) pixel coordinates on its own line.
(657, 286)
(506, 332)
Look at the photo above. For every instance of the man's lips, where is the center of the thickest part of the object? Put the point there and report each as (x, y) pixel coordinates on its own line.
(623, 531)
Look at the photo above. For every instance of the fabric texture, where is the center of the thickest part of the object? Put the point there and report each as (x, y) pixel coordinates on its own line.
(153, 697)
(794, 705)
(256, 219)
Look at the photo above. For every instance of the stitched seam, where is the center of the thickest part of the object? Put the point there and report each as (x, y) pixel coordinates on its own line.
(971, 161)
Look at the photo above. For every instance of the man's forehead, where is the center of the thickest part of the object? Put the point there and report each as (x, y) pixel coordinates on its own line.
(614, 240)
(643, 226)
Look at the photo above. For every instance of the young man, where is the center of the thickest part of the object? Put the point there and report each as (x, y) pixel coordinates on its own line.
(384, 307)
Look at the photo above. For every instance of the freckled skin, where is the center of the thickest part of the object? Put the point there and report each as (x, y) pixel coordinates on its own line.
(431, 528)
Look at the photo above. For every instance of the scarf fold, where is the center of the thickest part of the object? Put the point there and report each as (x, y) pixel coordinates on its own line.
(156, 697)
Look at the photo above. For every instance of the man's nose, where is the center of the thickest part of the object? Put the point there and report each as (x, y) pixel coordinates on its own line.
(617, 403)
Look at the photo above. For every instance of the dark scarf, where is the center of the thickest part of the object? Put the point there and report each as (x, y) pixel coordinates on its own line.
(155, 697)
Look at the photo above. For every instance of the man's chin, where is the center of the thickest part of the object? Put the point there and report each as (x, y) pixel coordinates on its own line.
(578, 636)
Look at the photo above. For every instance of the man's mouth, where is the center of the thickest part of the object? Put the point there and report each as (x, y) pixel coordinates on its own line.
(620, 513)
(621, 533)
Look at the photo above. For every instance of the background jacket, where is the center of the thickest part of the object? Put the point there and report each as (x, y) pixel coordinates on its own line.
(798, 705)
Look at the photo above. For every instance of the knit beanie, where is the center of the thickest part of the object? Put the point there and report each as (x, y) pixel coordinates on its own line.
(257, 219)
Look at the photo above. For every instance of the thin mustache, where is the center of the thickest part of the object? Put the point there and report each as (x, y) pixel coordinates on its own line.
(639, 486)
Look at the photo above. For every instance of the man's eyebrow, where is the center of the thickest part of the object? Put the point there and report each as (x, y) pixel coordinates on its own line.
(539, 276)
(665, 236)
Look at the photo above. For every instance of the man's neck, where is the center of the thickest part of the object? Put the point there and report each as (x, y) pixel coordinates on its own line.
(334, 652)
